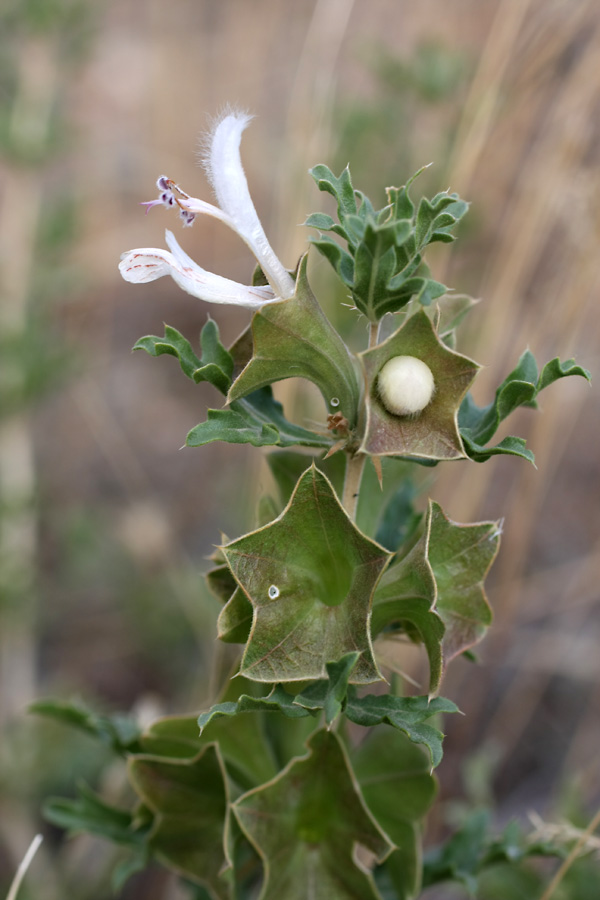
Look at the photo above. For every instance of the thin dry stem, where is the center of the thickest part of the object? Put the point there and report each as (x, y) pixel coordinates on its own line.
(566, 865)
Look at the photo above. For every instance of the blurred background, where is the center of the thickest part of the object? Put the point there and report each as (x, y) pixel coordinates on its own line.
(105, 523)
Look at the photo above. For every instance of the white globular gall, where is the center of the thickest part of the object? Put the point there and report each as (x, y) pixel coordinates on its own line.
(405, 385)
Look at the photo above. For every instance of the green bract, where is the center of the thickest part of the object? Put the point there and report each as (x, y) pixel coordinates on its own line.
(305, 823)
(309, 576)
(433, 433)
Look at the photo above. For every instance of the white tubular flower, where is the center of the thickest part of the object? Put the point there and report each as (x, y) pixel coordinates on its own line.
(226, 174)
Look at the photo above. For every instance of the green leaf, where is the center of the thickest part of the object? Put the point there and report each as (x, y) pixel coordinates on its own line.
(190, 805)
(89, 813)
(310, 576)
(399, 789)
(408, 714)
(288, 465)
(243, 744)
(472, 851)
(340, 188)
(382, 265)
(341, 261)
(460, 557)
(216, 365)
(519, 388)
(405, 598)
(119, 732)
(235, 619)
(293, 339)
(221, 582)
(257, 420)
(436, 593)
(433, 433)
(305, 824)
(330, 695)
(277, 701)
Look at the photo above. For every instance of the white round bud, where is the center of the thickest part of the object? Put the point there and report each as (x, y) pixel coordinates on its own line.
(405, 385)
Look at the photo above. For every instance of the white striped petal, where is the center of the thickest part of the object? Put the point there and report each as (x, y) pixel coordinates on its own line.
(225, 171)
(149, 263)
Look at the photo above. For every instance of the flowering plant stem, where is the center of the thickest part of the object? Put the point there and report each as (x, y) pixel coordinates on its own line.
(268, 791)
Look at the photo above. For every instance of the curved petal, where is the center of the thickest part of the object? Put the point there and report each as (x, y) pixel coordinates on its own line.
(148, 264)
(226, 174)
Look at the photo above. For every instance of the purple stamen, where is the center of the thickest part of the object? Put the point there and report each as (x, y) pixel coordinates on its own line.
(162, 183)
(187, 217)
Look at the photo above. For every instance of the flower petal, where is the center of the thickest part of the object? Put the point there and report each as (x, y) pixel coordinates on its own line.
(148, 264)
(226, 174)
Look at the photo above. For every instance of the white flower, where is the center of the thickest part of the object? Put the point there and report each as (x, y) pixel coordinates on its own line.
(224, 169)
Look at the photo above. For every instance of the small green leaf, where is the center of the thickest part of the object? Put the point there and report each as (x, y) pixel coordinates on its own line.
(119, 732)
(340, 188)
(310, 576)
(216, 365)
(341, 261)
(519, 388)
(293, 339)
(305, 824)
(554, 370)
(405, 713)
(331, 694)
(258, 420)
(89, 813)
(190, 805)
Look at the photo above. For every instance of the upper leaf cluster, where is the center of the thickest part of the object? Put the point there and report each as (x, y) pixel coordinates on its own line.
(383, 264)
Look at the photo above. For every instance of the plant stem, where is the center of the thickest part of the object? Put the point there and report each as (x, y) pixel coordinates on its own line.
(373, 333)
(354, 471)
(568, 862)
(356, 461)
(24, 865)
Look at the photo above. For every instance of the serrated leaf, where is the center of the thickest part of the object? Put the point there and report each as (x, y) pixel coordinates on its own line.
(216, 365)
(408, 714)
(433, 433)
(406, 598)
(119, 732)
(305, 823)
(90, 814)
(258, 420)
(396, 783)
(278, 700)
(293, 339)
(340, 188)
(519, 388)
(327, 694)
(190, 804)
(310, 576)
(341, 261)
(436, 592)
(460, 557)
(330, 695)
